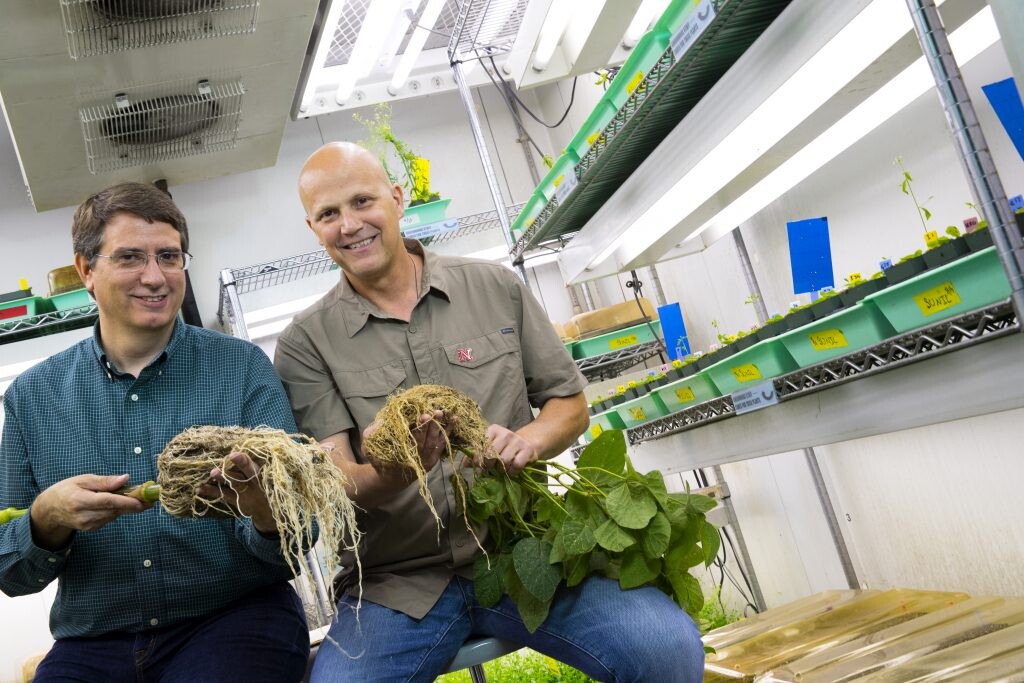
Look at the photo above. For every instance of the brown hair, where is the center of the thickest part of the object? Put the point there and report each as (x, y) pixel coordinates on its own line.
(145, 201)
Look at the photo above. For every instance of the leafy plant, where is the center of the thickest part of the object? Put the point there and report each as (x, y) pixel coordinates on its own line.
(525, 666)
(952, 231)
(722, 338)
(752, 299)
(611, 521)
(383, 142)
(908, 189)
(714, 614)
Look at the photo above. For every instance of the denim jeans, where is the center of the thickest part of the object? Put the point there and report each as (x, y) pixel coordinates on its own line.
(608, 633)
(261, 637)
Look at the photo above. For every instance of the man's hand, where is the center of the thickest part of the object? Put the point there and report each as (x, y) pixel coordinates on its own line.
(513, 449)
(238, 486)
(431, 435)
(84, 503)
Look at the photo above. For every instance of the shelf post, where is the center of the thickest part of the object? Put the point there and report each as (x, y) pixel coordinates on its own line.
(231, 307)
(973, 150)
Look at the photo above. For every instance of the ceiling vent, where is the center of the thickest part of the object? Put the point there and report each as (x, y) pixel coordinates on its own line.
(151, 124)
(96, 27)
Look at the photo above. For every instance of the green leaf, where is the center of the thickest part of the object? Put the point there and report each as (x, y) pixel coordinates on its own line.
(656, 485)
(532, 611)
(710, 542)
(577, 536)
(583, 507)
(489, 493)
(696, 502)
(637, 570)
(538, 575)
(926, 212)
(686, 591)
(487, 580)
(606, 452)
(516, 497)
(576, 569)
(611, 536)
(549, 511)
(655, 538)
(631, 505)
(558, 553)
(681, 556)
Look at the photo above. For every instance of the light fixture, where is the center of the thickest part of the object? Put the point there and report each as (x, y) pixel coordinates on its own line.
(396, 34)
(852, 50)
(324, 46)
(645, 14)
(415, 46)
(551, 32)
(380, 16)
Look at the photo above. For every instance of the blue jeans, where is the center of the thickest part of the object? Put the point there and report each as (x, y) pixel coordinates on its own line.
(608, 633)
(261, 637)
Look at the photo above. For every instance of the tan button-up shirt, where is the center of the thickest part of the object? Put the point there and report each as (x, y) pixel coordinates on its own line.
(475, 328)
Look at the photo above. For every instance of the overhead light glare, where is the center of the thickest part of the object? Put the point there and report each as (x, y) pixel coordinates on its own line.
(551, 32)
(648, 11)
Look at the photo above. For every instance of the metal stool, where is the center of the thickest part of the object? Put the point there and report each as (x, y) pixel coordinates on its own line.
(474, 653)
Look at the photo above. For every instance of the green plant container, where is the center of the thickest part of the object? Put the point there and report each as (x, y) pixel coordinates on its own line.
(642, 57)
(592, 127)
(76, 298)
(602, 422)
(640, 410)
(675, 14)
(846, 331)
(759, 363)
(564, 165)
(968, 283)
(614, 341)
(531, 209)
(26, 307)
(686, 392)
(424, 214)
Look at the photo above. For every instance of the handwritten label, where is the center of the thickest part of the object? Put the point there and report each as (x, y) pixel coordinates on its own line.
(970, 224)
(638, 414)
(685, 395)
(406, 221)
(854, 279)
(691, 29)
(885, 264)
(558, 181)
(823, 340)
(620, 342)
(595, 431)
(565, 188)
(1017, 202)
(592, 138)
(931, 238)
(634, 82)
(937, 299)
(429, 229)
(746, 373)
(754, 398)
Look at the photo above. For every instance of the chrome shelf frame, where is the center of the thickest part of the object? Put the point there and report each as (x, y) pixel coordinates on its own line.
(609, 365)
(48, 323)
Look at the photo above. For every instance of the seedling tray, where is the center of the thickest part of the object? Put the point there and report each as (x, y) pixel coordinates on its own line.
(686, 392)
(640, 410)
(615, 341)
(968, 283)
(760, 362)
(592, 127)
(531, 209)
(846, 331)
(23, 308)
(644, 55)
(564, 165)
(602, 422)
(76, 298)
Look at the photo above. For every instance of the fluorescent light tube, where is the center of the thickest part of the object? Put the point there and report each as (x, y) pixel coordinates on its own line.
(555, 23)
(645, 14)
(376, 24)
(412, 51)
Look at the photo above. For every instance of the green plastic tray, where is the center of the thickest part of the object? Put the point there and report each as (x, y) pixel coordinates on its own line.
(562, 166)
(686, 392)
(968, 283)
(640, 410)
(23, 308)
(76, 298)
(531, 209)
(424, 214)
(674, 15)
(845, 331)
(613, 341)
(602, 422)
(759, 363)
(592, 127)
(642, 57)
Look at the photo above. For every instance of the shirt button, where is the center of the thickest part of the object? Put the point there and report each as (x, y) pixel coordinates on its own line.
(147, 563)
(135, 397)
(137, 449)
(40, 580)
(412, 329)
(51, 560)
(154, 621)
(459, 543)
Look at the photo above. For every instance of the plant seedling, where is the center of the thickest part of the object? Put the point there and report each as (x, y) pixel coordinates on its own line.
(907, 186)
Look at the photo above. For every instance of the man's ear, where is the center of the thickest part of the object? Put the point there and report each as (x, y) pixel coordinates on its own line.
(398, 196)
(310, 226)
(85, 271)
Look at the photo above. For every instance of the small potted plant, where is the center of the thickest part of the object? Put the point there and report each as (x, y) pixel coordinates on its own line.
(976, 233)
(772, 327)
(857, 288)
(943, 249)
(798, 316)
(828, 302)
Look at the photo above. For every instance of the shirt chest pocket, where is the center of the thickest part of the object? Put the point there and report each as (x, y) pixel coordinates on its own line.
(365, 391)
(488, 367)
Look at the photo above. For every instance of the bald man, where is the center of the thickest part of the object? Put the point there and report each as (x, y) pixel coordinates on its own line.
(402, 316)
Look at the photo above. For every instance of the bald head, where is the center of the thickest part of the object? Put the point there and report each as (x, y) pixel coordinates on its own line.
(337, 156)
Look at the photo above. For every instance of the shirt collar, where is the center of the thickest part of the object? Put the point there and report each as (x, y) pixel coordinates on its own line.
(356, 310)
(177, 334)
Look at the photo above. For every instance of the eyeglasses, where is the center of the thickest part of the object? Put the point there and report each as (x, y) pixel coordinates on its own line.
(134, 261)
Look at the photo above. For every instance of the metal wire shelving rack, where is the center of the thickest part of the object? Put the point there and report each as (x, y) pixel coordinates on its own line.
(47, 323)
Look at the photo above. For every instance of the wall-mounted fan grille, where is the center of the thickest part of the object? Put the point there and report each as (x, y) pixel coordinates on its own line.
(486, 28)
(95, 27)
(157, 123)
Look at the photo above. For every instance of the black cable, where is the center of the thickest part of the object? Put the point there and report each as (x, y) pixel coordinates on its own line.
(637, 286)
(572, 98)
(505, 93)
(739, 564)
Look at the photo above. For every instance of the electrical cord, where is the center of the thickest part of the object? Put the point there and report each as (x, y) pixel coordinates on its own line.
(637, 287)
(572, 98)
(505, 97)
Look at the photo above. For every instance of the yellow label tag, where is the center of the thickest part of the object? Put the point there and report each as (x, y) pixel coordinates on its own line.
(595, 431)
(618, 343)
(937, 299)
(634, 82)
(931, 238)
(638, 414)
(746, 373)
(827, 339)
(529, 222)
(685, 394)
(855, 279)
(557, 181)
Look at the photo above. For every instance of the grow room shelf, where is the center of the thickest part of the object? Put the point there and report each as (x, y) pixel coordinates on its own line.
(609, 365)
(47, 323)
(668, 92)
(962, 367)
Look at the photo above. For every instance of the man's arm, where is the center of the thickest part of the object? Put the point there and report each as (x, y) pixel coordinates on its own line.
(557, 426)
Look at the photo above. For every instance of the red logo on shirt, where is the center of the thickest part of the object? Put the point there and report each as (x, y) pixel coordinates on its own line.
(465, 355)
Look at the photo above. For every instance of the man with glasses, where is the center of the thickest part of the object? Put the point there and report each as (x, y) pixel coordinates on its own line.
(142, 594)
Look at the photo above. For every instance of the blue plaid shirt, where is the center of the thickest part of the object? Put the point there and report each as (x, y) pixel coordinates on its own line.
(73, 414)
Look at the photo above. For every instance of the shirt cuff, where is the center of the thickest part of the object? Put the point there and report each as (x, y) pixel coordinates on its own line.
(46, 564)
(266, 548)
